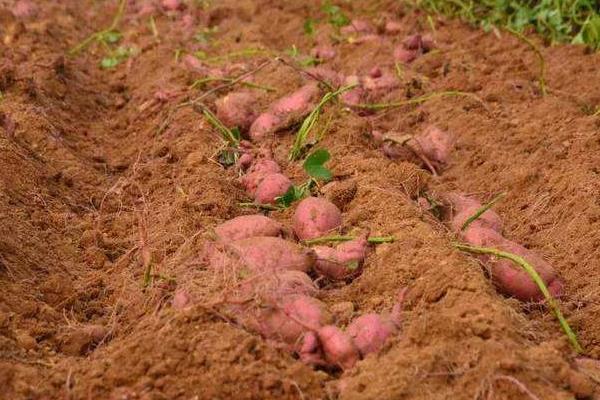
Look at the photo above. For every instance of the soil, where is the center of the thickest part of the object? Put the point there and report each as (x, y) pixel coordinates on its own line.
(101, 178)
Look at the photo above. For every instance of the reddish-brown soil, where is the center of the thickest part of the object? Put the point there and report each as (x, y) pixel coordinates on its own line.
(96, 175)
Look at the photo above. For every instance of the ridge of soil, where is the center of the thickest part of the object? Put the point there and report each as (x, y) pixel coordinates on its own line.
(88, 184)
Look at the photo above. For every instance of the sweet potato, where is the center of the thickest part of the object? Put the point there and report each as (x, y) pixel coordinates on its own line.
(271, 187)
(315, 217)
(245, 161)
(338, 347)
(275, 286)
(513, 281)
(342, 262)
(370, 331)
(357, 26)
(393, 27)
(404, 56)
(382, 83)
(237, 109)
(464, 207)
(264, 254)
(285, 112)
(353, 97)
(24, 9)
(435, 144)
(247, 226)
(287, 320)
(257, 173)
(192, 64)
(323, 52)
(181, 299)
(171, 5)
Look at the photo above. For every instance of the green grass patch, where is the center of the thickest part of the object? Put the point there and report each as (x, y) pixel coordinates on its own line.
(558, 21)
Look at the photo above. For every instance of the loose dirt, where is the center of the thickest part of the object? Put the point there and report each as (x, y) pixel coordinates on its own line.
(101, 179)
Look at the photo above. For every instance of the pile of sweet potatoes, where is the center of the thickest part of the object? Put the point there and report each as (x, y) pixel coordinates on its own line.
(272, 291)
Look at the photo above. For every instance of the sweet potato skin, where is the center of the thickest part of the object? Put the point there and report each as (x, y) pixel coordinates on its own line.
(338, 347)
(370, 332)
(237, 109)
(435, 144)
(271, 187)
(263, 254)
(343, 261)
(247, 226)
(315, 217)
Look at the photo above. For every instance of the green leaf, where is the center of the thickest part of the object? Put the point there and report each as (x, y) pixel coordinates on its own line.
(112, 36)
(235, 131)
(314, 165)
(309, 26)
(109, 62)
(289, 197)
(227, 158)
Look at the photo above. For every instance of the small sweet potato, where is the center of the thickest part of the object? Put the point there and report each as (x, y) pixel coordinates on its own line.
(464, 207)
(338, 347)
(289, 319)
(323, 52)
(264, 254)
(171, 5)
(393, 27)
(435, 144)
(247, 226)
(385, 81)
(245, 161)
(370, 331)
(353, 97)
(342, 262)
(285, 112)
(24, 9)
(271, 187)
(192, 64)
(181, 299)
(237, 109)
(257, 173)
(315, 217)
(275, 286)
(357, 26)
(405, 56)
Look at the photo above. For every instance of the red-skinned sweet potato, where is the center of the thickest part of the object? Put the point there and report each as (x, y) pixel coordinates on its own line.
(464, 207)
(257, 173)
(271, 187)
(247, 226)
(357, 26)
(285, 112)
(341, 262)
(435, 144)
(263, 254)
(338, 347)
(237, 109)
(315, 217)
(370, 331)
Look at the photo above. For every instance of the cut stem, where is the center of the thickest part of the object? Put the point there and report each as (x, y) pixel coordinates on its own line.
(419, 100)
(339, 238)
(528, 268)
(481, 210)
(267, 207)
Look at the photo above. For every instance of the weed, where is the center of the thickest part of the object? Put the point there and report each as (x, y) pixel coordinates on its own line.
(311, 120)
(335, 15)
(575, 21)
(481, 210)
(310, 26)
(523, 264)
(314, 166)
(106, 38)
(420, 99)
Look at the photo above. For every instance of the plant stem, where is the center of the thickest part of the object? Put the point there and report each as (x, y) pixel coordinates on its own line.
(339, 238)
(268, 207)
(217, 124)
(418, 100)
(528, 268)
(96, 36)
(311, 120)
(541, 78)
(481, 210)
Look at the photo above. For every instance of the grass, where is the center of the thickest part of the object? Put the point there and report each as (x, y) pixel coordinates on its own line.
(310, 121)
(558, 21)
(528, 268)
(107, 39)
(201, 82)
(481, 210)
(419, 100)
